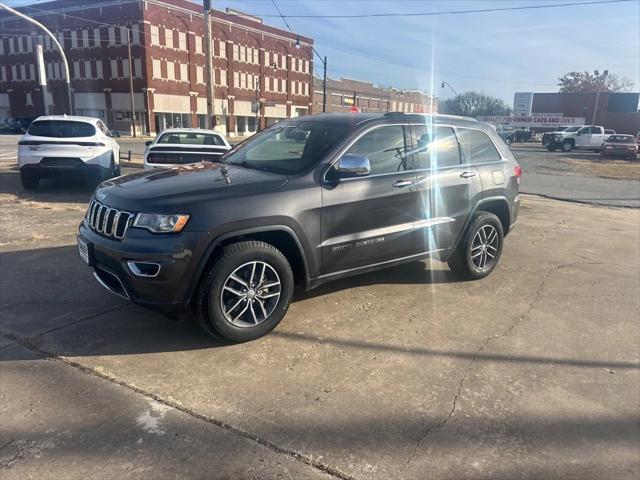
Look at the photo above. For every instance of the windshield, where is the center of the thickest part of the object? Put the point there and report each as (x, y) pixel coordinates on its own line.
(191, 138)
(570, 129)
(287, 148)
(61, 129)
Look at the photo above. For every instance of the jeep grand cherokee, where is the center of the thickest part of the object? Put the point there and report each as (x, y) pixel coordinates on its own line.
(305, 201)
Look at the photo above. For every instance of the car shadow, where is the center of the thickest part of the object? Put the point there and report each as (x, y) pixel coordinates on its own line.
(55, 190)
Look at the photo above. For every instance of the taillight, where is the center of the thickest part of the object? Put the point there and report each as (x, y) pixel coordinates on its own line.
(518, 171)
(608, 147)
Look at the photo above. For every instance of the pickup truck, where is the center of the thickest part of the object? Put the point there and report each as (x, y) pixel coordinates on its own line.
(589, 137)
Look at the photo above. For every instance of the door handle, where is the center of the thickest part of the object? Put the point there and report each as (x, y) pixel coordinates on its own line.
(467, 174)
(403, 183)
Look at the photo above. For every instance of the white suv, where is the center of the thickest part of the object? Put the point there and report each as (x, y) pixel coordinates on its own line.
(60, 145)
(180, 146)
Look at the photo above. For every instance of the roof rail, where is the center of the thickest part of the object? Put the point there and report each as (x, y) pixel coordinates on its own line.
(460, 117)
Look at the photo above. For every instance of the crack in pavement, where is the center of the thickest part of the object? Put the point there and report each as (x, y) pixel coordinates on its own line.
(485, 344)
(30, 344)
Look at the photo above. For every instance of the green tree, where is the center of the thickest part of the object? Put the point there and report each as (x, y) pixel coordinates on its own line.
(474, 104)
(576, 82)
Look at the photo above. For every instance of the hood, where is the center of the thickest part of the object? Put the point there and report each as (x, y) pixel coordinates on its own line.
(172, 189)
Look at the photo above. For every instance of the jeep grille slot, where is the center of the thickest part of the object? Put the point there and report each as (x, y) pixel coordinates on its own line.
(108, 221)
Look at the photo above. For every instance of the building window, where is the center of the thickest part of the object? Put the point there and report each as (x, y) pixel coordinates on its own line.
(74, 39)
(168, 38)
(198, 44)
(199, 74)
(112, 36)
(96, 38)
(125, 68)
(98, 68)
(182, 41)
(56, 70)
(155, 35)
(28, 99)
(223, 78)
(236, 82)
(87, 69)
(85, 38)
(124, 34)
(137, 68)
(49, 71)
(184, 72)
(243, 53)
(236, 56)
(3, 73)
(157, 73)
(135, 33)
(114, 69)
(171, 72)
(76, 70)
(222, 47)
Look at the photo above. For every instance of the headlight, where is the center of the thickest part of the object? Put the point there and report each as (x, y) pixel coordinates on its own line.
(157, 223)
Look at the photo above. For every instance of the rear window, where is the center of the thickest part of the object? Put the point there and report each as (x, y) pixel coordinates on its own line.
(61, 129)
(477, 147)
(191, 138)
(621, 139)
(437, 147)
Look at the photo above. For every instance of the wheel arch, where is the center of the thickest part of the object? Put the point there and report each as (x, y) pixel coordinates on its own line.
(282, 237)
(498, 205)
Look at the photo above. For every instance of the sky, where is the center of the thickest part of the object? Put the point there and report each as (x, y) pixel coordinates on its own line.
(498, 53)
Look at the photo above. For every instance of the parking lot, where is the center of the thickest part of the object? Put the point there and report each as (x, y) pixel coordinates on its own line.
(533, 372)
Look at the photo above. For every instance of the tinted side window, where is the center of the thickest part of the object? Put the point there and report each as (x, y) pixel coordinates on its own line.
(61, 129)
(596, 130)
(436, 147)
(477, 147)
(385, 149)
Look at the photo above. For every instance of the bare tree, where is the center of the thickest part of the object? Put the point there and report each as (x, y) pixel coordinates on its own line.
(576, 82)
(474, 104)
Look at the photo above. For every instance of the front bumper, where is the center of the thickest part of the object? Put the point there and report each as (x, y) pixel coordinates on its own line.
(176, 255)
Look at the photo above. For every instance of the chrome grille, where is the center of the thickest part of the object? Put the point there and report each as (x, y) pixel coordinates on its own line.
(108, 221)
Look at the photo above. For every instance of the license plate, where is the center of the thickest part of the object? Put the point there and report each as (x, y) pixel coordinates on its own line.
(83, 250)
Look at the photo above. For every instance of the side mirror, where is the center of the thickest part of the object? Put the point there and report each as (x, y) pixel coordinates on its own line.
(579, 133)
(148, 142)
(351, 165)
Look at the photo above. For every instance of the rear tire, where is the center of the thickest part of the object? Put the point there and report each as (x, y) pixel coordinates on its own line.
(29, 181)
(484, 237)
(229, 306)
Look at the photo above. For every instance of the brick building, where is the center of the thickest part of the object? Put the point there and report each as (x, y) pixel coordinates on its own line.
(343, 94)
(617, 111)
(168, 65)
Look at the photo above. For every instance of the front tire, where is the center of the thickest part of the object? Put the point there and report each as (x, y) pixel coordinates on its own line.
(567, 146)
(29, 181)
(480, 248)
(245, 293)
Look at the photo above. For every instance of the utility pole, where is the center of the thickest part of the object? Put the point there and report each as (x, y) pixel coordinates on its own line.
(595, 107)
(133, 102)
(55, 42)
(42, 78)
(324, 86)
(208, 64)
(456, 94)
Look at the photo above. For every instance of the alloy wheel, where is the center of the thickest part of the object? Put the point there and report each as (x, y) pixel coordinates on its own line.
(250, 294)
(484, 247)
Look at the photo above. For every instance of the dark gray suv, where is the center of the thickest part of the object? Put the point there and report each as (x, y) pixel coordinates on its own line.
(306, 201)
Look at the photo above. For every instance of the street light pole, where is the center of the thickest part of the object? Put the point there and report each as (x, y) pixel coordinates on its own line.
(260, 77)
(455, 93)
(56, 43)
(324, 80)
(595, 107)
(208, 64)
(132, 100)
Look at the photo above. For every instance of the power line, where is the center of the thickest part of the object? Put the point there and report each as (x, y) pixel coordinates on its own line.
(281, 16)
(450, 12)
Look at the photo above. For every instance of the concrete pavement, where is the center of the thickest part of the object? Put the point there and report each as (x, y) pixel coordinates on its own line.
(533, 372)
